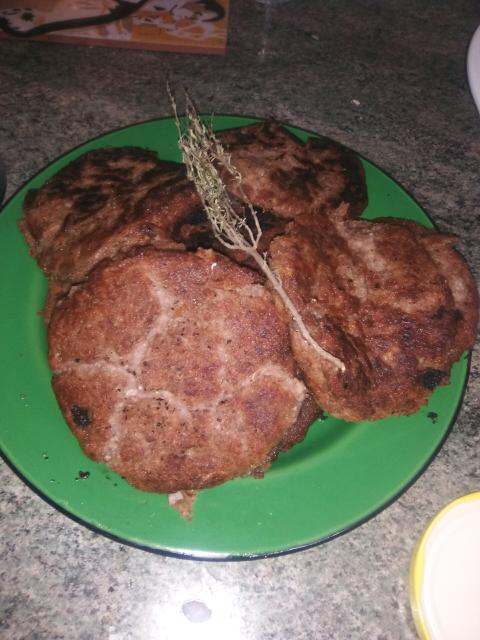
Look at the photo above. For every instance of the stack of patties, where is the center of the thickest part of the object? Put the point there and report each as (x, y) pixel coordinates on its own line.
(173, 361)
(173, 367)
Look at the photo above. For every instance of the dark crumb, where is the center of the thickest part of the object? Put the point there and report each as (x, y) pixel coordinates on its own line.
(431, 378)
(45, 455)
(431, 415)
(83, 475)
(322, 415)
(80, 416)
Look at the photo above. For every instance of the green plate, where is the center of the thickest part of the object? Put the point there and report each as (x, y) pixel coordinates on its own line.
(341, 475)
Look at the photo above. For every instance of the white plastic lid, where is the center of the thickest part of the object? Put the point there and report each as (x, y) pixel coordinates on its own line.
(445, 574)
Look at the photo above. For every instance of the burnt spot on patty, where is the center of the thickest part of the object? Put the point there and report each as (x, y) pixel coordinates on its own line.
(89, 202)
(431, 378)
(81, 416)
(195, 230)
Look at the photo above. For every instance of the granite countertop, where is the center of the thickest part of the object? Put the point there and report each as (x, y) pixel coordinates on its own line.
(385, 78)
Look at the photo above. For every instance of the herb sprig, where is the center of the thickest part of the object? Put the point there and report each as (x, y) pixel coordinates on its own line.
(203, 154)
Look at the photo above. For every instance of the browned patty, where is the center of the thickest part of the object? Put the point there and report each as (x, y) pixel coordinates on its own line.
(93, 209)
(283, 175)
(390, 298)
(175, 369)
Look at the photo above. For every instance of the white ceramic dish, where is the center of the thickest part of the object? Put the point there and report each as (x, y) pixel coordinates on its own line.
(473, 67)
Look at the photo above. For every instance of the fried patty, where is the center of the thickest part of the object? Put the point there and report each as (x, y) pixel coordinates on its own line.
(175, 369)
(288, 177)
(94, 209)
(390, 298)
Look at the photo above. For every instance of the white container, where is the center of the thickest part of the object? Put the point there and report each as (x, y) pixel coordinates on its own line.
(445, 574)
(473, 67)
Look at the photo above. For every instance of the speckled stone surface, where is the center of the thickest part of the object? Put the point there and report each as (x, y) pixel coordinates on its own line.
(384, 77)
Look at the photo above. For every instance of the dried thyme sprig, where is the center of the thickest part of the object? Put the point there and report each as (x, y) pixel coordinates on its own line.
(202, 153)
